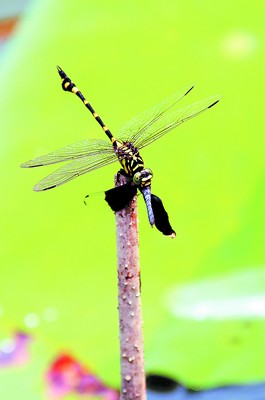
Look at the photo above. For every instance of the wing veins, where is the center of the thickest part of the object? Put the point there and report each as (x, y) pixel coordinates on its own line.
(80, 149)
(141, 122)
(173, 119)
(72, 170)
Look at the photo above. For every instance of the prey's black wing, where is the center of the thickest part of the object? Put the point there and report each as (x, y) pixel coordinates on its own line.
(118, 197)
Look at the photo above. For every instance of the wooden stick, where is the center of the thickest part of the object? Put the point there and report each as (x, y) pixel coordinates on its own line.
(129, 298)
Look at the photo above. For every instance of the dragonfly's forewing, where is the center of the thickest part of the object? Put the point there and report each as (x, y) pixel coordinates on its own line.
(83, 148)
(74, 169)
(171, 119)
(142, 122)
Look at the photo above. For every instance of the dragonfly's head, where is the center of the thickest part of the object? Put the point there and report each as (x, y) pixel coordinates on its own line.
(143, 178)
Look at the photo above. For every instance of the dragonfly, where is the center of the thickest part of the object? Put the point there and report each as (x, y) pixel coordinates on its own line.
(142, 130)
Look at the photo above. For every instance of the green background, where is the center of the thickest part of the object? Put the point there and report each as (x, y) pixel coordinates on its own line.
(202, 293)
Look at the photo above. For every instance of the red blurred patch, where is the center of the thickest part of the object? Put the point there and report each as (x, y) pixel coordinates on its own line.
(67, 375)
(7, 27)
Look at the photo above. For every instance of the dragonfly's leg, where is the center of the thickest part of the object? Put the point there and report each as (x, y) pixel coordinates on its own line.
(122, 172)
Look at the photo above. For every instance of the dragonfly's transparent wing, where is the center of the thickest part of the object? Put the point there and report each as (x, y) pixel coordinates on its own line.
(170, 119)
(141, 123)
(74, 169)
(83, 148)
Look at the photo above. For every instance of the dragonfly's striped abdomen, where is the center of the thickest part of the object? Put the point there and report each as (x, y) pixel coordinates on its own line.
(127, 154)
(69, 86)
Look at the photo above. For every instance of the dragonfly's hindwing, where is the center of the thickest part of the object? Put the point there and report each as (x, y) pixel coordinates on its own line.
(141, 123)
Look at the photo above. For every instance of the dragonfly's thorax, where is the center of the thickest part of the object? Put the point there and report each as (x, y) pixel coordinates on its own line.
(129, 157)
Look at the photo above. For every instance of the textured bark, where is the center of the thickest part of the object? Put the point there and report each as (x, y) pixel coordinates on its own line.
(129, 297)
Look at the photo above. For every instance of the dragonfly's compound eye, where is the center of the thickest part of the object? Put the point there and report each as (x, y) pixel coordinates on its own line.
(137, 178)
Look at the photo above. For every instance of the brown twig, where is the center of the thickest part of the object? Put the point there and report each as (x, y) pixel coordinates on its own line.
(129, 298)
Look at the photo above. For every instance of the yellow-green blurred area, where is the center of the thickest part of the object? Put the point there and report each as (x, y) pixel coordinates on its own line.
(202, 293)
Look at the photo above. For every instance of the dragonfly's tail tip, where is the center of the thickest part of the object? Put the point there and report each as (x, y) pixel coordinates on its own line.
(61, 72)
